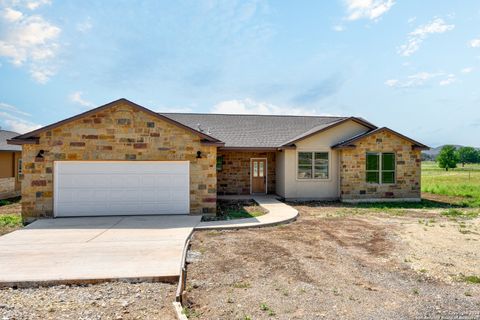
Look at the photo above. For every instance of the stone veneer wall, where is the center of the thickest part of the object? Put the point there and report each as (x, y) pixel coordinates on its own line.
(353, 183)
(117, 133)
(234, 178)
(7, 188)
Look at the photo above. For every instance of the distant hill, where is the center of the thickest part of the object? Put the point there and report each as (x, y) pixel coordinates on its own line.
(433, 152)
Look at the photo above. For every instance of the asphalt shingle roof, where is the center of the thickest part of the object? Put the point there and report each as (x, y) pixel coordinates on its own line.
(4, 136)
(255, 131)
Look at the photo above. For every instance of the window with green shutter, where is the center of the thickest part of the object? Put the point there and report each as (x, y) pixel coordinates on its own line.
(380, 167)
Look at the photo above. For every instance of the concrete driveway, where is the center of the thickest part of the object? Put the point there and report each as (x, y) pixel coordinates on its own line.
(76, 250)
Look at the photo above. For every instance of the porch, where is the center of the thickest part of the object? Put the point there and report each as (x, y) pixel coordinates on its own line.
(246, 172)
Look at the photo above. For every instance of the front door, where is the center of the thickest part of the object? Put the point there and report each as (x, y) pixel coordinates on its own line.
(259, 175)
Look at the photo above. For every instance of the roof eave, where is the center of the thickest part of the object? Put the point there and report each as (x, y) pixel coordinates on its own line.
(227, 148)
(350, 143)
(332, 125)
(19, 141)
(35, 133)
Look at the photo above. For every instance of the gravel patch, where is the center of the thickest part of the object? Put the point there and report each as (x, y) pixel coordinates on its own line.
(113, 300)
(329, 264)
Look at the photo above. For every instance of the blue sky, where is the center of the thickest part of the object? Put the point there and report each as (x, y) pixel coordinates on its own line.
(413, 66)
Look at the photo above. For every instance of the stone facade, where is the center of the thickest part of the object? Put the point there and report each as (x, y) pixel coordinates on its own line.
(7, 188)
(353, 183)
(120, 132)
(234, 177)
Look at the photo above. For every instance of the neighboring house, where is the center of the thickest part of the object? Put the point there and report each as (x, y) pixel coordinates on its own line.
(122, 158)
(10, 166)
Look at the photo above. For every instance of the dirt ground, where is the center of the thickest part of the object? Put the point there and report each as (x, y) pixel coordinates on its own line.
(116, 300)
(339, 262)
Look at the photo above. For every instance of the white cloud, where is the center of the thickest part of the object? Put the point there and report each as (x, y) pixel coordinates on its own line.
(467, 70)
(416, 37)
(249, 106)
(338, 28)
(32, 5)
(29, 40)
(11, 15)
(367, 9)
(391, 82)
(414, 80)
(21, 126)
(77, 98)
(449, 80)
(41, 73)
(411, 20)
(12, 118)
(475, 43)
(85, 26)
(9, 108)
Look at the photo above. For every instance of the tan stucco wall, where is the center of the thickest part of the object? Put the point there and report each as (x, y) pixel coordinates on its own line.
(118, 133)
(292, 188)
(234, 178)
(280, 173)
(408, 169)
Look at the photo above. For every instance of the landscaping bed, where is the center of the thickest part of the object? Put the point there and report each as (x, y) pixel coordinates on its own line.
(236, 209)
(341, 261)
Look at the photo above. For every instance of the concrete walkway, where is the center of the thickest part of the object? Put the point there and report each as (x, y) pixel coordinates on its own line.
(89, 250)
(278, 212)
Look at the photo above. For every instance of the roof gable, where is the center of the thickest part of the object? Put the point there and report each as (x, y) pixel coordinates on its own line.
(350, 143)
(321, 128)
(32, 136)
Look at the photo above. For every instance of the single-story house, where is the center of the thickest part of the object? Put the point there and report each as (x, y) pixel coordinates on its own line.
(122, 158)
(10, 166)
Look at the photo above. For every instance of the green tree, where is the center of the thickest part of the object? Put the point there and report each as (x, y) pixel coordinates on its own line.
(467, 155)
(447, 158)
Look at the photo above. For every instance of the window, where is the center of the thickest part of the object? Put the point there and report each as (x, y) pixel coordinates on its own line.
(219, 163)
(312, 165)
(380, 168)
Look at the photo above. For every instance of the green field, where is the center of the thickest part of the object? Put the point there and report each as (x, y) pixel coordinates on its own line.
(460, 182)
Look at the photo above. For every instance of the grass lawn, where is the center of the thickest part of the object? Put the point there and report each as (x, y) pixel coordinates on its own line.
(460, 182)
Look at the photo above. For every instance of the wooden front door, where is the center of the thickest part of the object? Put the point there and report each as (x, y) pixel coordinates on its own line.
(259, 175)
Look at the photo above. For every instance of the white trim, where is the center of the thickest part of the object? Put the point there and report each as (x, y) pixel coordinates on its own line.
(313, 179)
(373, 200)
(266, 174)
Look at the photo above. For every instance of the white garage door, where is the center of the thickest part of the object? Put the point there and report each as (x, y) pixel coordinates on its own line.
(101, 188)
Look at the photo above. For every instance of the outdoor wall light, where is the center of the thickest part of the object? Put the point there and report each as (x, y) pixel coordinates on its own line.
(199, 154)
(40, 153)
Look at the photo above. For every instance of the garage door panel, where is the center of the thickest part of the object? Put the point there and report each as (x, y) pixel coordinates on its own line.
(91, 188)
